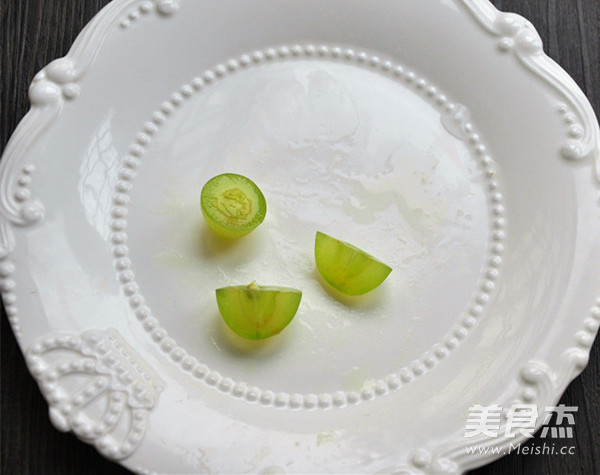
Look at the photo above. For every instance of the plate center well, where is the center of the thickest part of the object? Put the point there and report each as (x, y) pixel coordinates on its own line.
(337, 148)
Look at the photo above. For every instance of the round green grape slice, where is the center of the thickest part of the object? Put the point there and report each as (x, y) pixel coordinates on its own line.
(232, 205)
(258, 312)
(346, 267)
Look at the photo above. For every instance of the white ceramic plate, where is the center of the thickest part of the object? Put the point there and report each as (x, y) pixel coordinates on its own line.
(436, 135)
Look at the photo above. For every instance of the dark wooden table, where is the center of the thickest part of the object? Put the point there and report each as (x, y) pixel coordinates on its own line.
(34, 32)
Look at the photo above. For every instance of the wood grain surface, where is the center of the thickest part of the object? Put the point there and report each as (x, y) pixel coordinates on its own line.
(33, 32)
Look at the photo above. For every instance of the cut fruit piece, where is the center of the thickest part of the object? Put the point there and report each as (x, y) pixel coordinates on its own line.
(346, 267)
(258, 312)
(232, 205)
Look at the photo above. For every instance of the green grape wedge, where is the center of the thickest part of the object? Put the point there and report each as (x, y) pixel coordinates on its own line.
(258, 312)
(232, 205)
(346, 267)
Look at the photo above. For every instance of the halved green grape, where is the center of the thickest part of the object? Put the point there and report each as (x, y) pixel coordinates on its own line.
(346, 267)
(232, 205)
(258, 312)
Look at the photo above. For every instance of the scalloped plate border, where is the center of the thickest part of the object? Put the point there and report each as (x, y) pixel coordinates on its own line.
(518, 35)
(57, 83)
